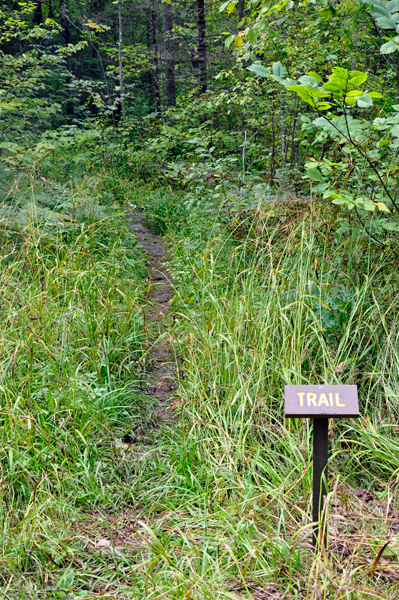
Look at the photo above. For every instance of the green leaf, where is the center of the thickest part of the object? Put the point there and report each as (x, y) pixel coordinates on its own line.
(315, 76)
(314, 174)
(228, 40)
(385, 23)
(365, 101)
(279, 69)
(379, 11)
(357, 77)
(354, 93)
(309, 81)
(334, 87)
(323, 105)
(391, 226)
(320, 187)
(375, 95)
(388, 48)
(224, 6)
(259, 69)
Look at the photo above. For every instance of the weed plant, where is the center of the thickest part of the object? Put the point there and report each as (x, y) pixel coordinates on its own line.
(280, 298)
(217, 504)
(72, 346)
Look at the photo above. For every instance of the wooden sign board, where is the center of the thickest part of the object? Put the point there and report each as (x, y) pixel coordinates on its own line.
(321, 401)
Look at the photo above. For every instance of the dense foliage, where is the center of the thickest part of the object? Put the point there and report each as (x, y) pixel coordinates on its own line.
(261, 140)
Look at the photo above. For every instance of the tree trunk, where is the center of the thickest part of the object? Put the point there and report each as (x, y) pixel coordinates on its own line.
(170, 87)
(397, 76)
(201, 45)
(283, 133)
(121, 94)
(38, 14)
(66, 33)
(155, 56)
(241, 5)
(353, 59)
(149, 75)
(66, 36)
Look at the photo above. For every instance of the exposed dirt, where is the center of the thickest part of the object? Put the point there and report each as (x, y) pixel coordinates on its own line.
(162, 381)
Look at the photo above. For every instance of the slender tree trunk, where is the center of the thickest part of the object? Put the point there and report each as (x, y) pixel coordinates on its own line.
(66, 33)
(170, 87)
(283, 134)
(121, 92)
(155, 56)
(50, 9)
(38, 14)
(66, 36)
(273, 154)
(353, 59)
(397, 76)
(201, 45)
(149, 75)
(241, 5)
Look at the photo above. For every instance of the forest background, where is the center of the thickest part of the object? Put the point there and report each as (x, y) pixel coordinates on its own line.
(261, 139)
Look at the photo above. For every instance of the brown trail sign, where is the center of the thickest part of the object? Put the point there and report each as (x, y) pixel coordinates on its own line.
(320, 402)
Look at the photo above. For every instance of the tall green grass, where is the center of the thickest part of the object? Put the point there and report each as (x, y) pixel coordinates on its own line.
(281, 299)
(72, 347)
(217, 504)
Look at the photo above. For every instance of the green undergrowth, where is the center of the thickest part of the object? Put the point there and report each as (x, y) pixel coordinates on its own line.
(265, 297)
(97, 502)
(73, 345)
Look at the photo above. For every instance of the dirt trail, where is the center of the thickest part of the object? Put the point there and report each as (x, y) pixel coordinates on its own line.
(162, 382)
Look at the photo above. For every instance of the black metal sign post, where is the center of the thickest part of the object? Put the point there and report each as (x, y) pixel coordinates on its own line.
(320, 476)
(320, 402)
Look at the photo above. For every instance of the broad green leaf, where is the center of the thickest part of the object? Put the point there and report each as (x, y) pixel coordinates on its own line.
(385, 23)
(323, 105)
(334, 87)
(365, 101)
(309, 81)
(354, 93)
(251, 35)
(228, 40)
(315, 76)
(392, 5)
(375, 94)
(259, 70)
(224, 6)
(379, 11)
(279, 69)
(320, 187)
(357, 79)
(388, 48)
(314, 174)
(391, 226)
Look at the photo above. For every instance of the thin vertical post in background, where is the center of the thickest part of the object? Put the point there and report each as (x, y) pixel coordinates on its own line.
(153, 16)
(169, 51)
(201, 26)
(320, 460)
(121, 92)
